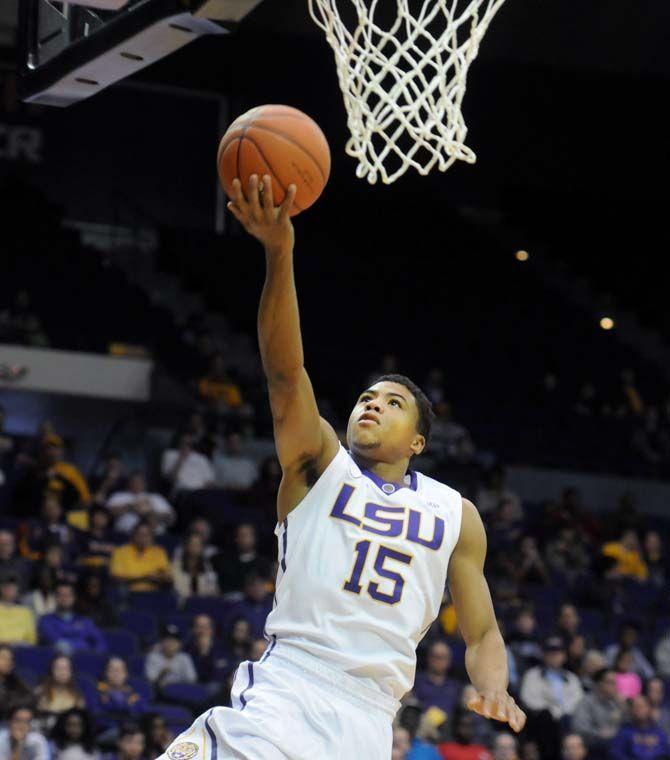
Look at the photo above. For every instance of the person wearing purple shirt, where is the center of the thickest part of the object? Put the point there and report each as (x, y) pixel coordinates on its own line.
(67, 631)
(115, 695)
(256, 605)
(433, 687)
(642, 739)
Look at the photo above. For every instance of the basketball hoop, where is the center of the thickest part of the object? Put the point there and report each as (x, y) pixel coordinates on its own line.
(403, 82)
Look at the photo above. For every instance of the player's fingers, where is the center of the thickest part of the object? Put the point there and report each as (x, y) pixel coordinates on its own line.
(519, 720)
(235, 211)
(475, 704)
(254, 200)
(487, 708)
(238, 196)
(287, 205)
(268, 198)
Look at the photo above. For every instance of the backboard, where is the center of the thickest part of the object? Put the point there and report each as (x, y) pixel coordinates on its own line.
(68, 52)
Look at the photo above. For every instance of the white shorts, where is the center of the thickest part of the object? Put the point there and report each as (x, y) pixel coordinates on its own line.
(288, 706)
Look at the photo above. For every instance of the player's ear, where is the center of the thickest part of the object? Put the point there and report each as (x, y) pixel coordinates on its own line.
(418, 444)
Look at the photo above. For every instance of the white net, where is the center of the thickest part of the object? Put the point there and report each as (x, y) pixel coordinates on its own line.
(404, 80)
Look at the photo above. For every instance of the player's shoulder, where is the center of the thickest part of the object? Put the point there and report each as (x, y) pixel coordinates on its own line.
(435, 493)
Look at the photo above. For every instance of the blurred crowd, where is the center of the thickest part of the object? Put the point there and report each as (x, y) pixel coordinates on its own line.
(129, 596)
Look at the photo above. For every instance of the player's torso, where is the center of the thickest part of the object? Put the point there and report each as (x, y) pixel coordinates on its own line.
(362, 571)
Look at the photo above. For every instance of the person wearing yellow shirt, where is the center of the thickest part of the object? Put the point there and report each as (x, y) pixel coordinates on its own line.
(17, 623)
(626, 552)
(141, 564)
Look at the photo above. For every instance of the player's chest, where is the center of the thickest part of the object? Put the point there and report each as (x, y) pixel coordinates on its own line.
(362, 511)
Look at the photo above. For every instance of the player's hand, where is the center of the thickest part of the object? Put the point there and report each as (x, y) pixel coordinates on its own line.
(499, 705)
(259, 216)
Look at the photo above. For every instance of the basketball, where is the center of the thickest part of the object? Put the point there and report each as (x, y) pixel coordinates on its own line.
(282, 142)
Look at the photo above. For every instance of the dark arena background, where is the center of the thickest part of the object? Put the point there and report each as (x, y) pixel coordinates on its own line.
(527, 294)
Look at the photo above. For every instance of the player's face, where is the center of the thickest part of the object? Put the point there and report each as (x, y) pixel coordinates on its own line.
(383, 424)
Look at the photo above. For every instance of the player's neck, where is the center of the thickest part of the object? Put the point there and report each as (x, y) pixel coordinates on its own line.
(389, 472)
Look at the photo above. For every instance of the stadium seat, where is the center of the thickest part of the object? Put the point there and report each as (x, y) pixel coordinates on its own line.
(143, 624)
(215, 607)
(176, 717)
(89, 689)
(189, 694)
(34, 658)
(120, 642)
(29, 676)
(89, 664)
(136, 665)
(159, 603)
(142, 687)
(183, 622)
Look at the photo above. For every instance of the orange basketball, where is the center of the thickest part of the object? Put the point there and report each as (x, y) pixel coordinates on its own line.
(282, 142)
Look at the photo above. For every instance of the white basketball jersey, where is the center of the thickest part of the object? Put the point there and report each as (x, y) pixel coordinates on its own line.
(362, 569)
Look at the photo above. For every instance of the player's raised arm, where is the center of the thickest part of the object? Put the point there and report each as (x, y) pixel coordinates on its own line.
(304, 441)
(485, 656)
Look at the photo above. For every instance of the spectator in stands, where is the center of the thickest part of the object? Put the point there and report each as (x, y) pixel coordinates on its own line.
(505, 747)
(50, 529)
(209, 657)
(11, 564)
(73, 738)
(19, 741)
(662, 655)
(256, 604)
(496, 490)
(630, 402)
(628, 682)
(576, 651)
(598, 715)
(111, 479)
(524, 640)
(53, 473)
(462, 747)
(204, 440)
(587, 403)
(17, 623)
(504, 529)
(166, 663)
(238, 643)
(66, 631)
(13, 691)
(628, 638)
(655, 558)
(654, 691)
(157, 734)
(130, 746)
(58, 691)
(568, 555)
(203, 528)
(233, 567)
(401, 743)
(433, 686)
(626, 553)
(529, 566)
(136, 503)
(96, 545)
(140, 564)
(93, 602)
(593, 661)
(550, 686)
(185, 468)
(642, 739)
(263, 494)
(567, 622)
(116, 697)
(217, 390)
(573, 748)
(41, 599)
(233, 470)
(193, 573)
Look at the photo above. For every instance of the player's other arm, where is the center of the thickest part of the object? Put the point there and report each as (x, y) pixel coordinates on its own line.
(485, 656)
(304, 441)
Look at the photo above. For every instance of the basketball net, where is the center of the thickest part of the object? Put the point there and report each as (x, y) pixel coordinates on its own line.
(403, 86)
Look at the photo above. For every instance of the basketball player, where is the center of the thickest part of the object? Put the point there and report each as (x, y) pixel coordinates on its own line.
(365, 544)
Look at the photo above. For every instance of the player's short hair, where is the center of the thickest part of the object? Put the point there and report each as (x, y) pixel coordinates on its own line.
(426, 413)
